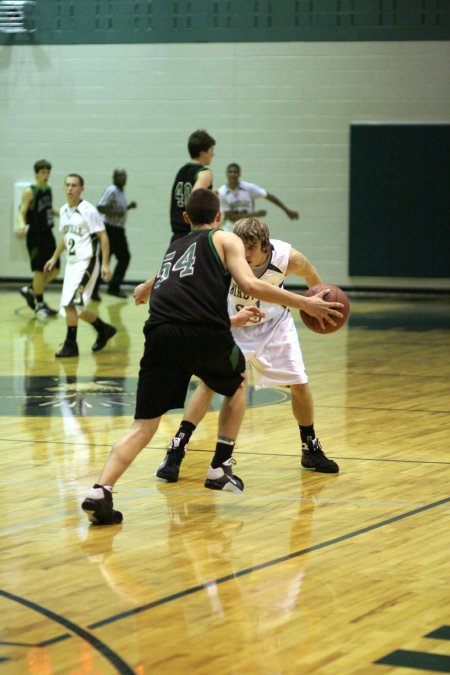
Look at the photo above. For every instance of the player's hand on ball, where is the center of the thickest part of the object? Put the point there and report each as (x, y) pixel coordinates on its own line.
(323, 310)
(328, 310)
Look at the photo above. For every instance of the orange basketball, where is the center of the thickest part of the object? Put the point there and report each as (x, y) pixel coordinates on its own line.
(335, 294)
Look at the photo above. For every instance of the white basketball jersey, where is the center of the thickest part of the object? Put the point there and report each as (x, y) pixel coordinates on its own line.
(78, 225)
(275, 274)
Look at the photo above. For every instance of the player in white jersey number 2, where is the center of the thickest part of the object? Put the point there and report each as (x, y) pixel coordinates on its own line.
(82, 230)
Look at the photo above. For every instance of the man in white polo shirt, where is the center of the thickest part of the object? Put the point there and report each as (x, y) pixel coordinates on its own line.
(237, 199)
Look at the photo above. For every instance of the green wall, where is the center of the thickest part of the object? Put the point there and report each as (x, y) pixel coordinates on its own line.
(400, 200)
(165, 21)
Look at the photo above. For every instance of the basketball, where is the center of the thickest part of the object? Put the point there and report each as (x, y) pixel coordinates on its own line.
(335, 294)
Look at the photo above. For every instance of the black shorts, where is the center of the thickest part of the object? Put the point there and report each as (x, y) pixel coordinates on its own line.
(41, 246)
(175, 352)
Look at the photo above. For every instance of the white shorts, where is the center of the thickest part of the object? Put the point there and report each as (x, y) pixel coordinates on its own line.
(79, 282)
(273, 351)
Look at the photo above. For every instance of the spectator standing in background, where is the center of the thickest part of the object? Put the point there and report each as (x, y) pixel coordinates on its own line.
(113, 207)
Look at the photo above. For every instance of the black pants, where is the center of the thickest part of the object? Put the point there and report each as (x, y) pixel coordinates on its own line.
(118, 246)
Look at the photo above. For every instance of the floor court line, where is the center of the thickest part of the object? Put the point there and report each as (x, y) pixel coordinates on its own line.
(122, 667)
(267, 564)
(220, 580)
(243, 453)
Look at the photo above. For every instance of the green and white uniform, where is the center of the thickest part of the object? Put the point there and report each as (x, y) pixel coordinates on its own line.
(79, 225)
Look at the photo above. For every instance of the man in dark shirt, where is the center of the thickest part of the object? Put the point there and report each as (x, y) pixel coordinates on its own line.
(193, 175)
(188, 333)
(35, 220)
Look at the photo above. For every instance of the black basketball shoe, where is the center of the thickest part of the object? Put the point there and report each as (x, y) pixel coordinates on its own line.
(68, 349)
(169, 468)
(117, 293)
(103, 337)
(98, 506)
(27, 293)
(50, 311)
(314, 459)
(43, 311)
(223, 478)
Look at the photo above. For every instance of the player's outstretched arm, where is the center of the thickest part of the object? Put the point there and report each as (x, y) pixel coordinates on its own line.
(293, 215)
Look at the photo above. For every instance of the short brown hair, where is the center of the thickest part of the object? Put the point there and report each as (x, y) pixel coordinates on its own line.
(199, 141)
(75, 175)
(41, 164)
(202, 207)
(253, 231)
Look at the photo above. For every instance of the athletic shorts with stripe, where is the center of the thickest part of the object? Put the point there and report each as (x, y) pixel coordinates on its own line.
(79, 281)
(175, 352)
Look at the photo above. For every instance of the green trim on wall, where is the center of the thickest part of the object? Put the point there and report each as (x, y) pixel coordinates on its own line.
(211, 21)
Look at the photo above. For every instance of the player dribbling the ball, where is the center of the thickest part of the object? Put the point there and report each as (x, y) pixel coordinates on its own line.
(188, 333)
(270, 346)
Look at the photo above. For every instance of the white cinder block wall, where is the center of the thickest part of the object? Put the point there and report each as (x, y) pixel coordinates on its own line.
(281, 110)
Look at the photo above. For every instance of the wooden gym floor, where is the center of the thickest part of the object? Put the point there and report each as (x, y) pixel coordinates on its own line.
(302, 573)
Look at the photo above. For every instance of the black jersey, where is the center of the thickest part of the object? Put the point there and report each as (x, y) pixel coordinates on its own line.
(182, 188)
(192, 284)
(40, 212)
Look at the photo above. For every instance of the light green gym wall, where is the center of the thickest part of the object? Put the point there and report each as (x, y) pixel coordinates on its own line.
(281, 109)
